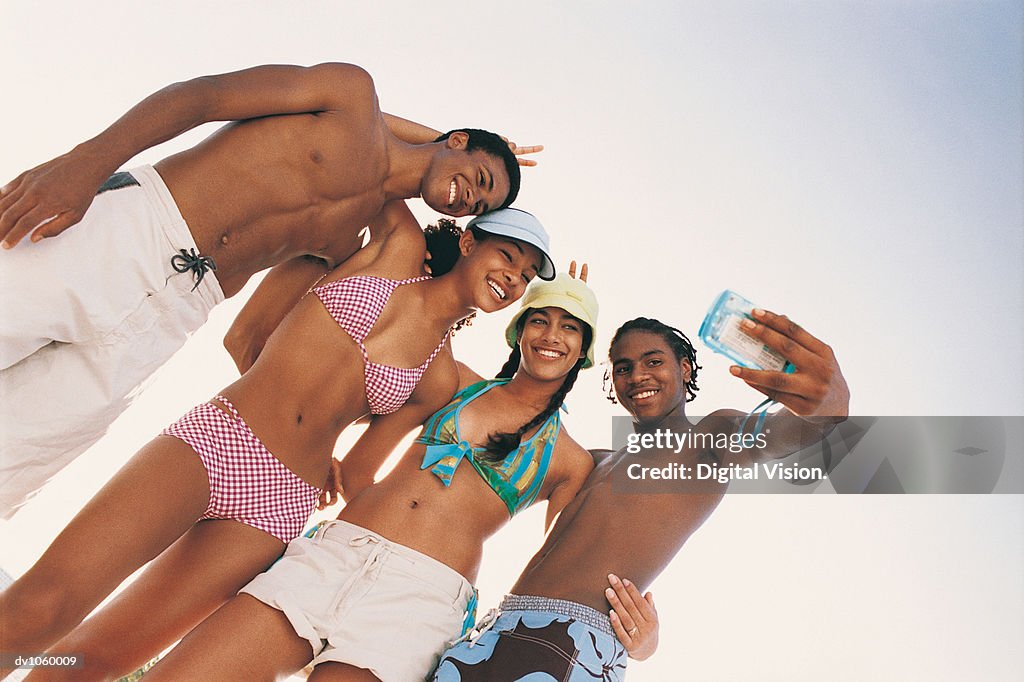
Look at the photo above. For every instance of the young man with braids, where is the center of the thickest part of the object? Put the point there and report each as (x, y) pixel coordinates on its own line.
(305, 163)
(555, 621)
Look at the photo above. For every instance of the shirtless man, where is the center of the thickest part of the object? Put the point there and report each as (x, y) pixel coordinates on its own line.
(562, 628)
(306, 163)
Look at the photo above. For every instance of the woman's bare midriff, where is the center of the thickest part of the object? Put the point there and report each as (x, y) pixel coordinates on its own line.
(297, 404)
(414, 508)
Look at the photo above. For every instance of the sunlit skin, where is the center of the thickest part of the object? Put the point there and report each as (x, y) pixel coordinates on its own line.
(603, 531)
(608, 532)
(304, 387)
(307, 162)
(410, 506)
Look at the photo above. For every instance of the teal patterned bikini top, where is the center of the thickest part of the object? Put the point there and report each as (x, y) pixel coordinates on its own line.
(517, 479)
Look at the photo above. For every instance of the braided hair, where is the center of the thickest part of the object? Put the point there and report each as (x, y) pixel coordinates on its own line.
(500, 444)
(681, 347)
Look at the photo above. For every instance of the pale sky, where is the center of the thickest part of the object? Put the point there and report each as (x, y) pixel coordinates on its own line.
(857, 166)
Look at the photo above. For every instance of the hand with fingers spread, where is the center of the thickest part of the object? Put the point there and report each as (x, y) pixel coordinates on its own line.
(633, 617)
(50, 198)
(816, 391)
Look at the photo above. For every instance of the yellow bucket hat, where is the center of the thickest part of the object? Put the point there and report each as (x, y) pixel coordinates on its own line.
(568, 293)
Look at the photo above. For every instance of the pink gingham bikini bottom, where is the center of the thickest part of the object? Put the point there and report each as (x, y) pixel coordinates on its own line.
(247, 483)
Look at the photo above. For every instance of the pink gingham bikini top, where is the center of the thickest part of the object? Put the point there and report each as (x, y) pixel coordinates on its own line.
(355, 303)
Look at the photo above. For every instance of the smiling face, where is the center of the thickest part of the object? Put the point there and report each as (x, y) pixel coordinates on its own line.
(460, 183)
(649, 380)
(497, 269)
(550, 343)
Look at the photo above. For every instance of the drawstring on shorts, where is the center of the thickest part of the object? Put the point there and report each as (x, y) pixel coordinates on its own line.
(372, 561)
(185, 261)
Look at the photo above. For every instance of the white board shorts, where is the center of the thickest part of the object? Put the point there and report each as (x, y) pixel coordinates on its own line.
(360, 599)
(88, 316)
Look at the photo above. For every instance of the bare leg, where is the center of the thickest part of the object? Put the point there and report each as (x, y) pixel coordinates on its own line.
(147, 505)
(341, 672)
(181, 587)
(244, 640)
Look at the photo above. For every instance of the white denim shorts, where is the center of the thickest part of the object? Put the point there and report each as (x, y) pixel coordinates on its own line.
(360, 599)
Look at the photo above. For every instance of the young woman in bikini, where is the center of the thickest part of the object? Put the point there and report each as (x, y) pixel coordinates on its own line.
(380, 592)
(209, 501)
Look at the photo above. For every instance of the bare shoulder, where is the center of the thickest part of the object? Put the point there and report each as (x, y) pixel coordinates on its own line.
(350, 82)
(405, 236)
(600, 455)
(570, 466)
(578, 461)
(344, 70)
(467, 377)
(724, 421)
(394, 216)
(397, 239)
(725, 413)
(567, 443)
(727, 421)
(288, 89)
(361, 260)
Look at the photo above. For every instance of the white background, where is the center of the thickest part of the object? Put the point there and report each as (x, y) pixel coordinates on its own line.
(857, 166)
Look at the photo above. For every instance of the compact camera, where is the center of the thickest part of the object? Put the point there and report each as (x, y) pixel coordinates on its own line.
(722, 333)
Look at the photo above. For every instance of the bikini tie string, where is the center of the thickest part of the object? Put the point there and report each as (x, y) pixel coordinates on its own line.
(186, 261)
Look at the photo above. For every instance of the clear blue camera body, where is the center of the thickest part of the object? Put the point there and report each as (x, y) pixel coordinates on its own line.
(721, 332)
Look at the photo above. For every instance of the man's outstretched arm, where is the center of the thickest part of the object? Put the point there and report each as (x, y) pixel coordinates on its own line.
(52, 197)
